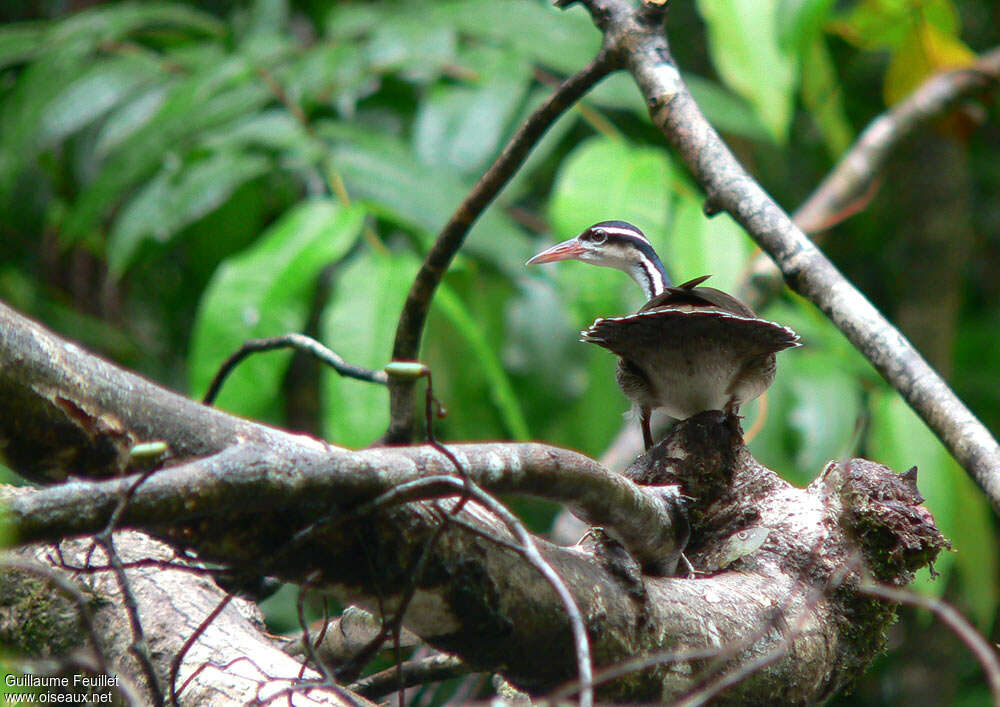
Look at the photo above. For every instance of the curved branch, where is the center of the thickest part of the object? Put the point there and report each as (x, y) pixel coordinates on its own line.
(643, 47)
(79, 415)
(410, 328)
(299, 342)
(249, 478)
(420, 671)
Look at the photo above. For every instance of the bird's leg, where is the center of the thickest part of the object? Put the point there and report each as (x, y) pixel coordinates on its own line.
(647, 435)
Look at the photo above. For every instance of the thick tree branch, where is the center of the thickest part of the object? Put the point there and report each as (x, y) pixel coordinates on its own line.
(251, 478)
(411, 321)
(78, 415)
(232, 662)
(293, 507)
(638, 37)
(765, 547)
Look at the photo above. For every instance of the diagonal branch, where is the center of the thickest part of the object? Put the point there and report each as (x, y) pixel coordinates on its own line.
(411, 321)
(856, 173)
(638, 37)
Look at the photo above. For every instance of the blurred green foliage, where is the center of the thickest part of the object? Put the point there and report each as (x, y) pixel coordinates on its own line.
(177, 178)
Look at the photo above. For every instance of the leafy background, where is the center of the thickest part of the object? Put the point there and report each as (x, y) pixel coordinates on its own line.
(178, 177)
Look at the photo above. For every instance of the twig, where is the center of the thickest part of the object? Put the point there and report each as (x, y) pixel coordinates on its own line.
(299, 342)
(328, 680)
(139, 647)
(959, 625)
(175, 664)
(534, 557)
(857, 168)
(434, 668)
(409, 330)
(393, 625)
(644, 49)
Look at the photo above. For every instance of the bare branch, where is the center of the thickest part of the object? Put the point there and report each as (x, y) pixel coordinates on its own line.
(228, 660)
(958, 624)
(433, 668)
(299, 342)
(80, 416)
(69, 590)
(639, 516)
(411, 321)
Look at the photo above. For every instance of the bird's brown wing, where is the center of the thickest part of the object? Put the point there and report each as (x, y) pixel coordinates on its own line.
(690, 294)
(669, 327)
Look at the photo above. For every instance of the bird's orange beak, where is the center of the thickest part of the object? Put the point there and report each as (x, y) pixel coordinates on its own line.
(567, 250)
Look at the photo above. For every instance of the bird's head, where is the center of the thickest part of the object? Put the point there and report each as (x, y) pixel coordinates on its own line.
(613, 244)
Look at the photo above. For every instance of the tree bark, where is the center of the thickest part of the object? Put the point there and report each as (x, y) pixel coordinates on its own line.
(772, 613)
(234, 661)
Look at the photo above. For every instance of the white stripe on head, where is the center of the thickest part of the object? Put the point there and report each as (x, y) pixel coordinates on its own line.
(621, 231)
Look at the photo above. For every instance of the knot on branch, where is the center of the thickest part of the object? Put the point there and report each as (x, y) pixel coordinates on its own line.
(882, 513)
(805, 555)
(741, 511)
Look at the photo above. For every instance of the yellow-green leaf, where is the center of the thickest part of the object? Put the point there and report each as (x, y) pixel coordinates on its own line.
(744, 44)
(923, 52)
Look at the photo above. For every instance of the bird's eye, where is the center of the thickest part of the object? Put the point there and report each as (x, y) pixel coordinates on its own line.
(599, 236)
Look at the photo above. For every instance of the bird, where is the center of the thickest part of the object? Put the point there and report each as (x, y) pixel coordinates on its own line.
(689, 348)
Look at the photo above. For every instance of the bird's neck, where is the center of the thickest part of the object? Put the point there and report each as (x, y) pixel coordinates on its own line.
(649, 274)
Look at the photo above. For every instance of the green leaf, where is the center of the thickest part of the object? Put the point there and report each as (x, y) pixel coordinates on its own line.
(591, 420)
(800, 22)
(275, 130)
(500, 388)
(697, 245)
(420, 34)
(792, 426)
(462, 125)
(540, 344)
(604, 179)
(745, 49)
(564, 40)
(109, 22)
(23, 110)
(126, 119)
(418, 56)
(922, 52)
(726, 111)
(359, 323)
(20, 42)
(826, 408)
(541, 156)
(885, 24)
(225, 92)
(383, 172)
(97, 90)
(175, 199)
(823, 97)
(327, 72)
(266, 291)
